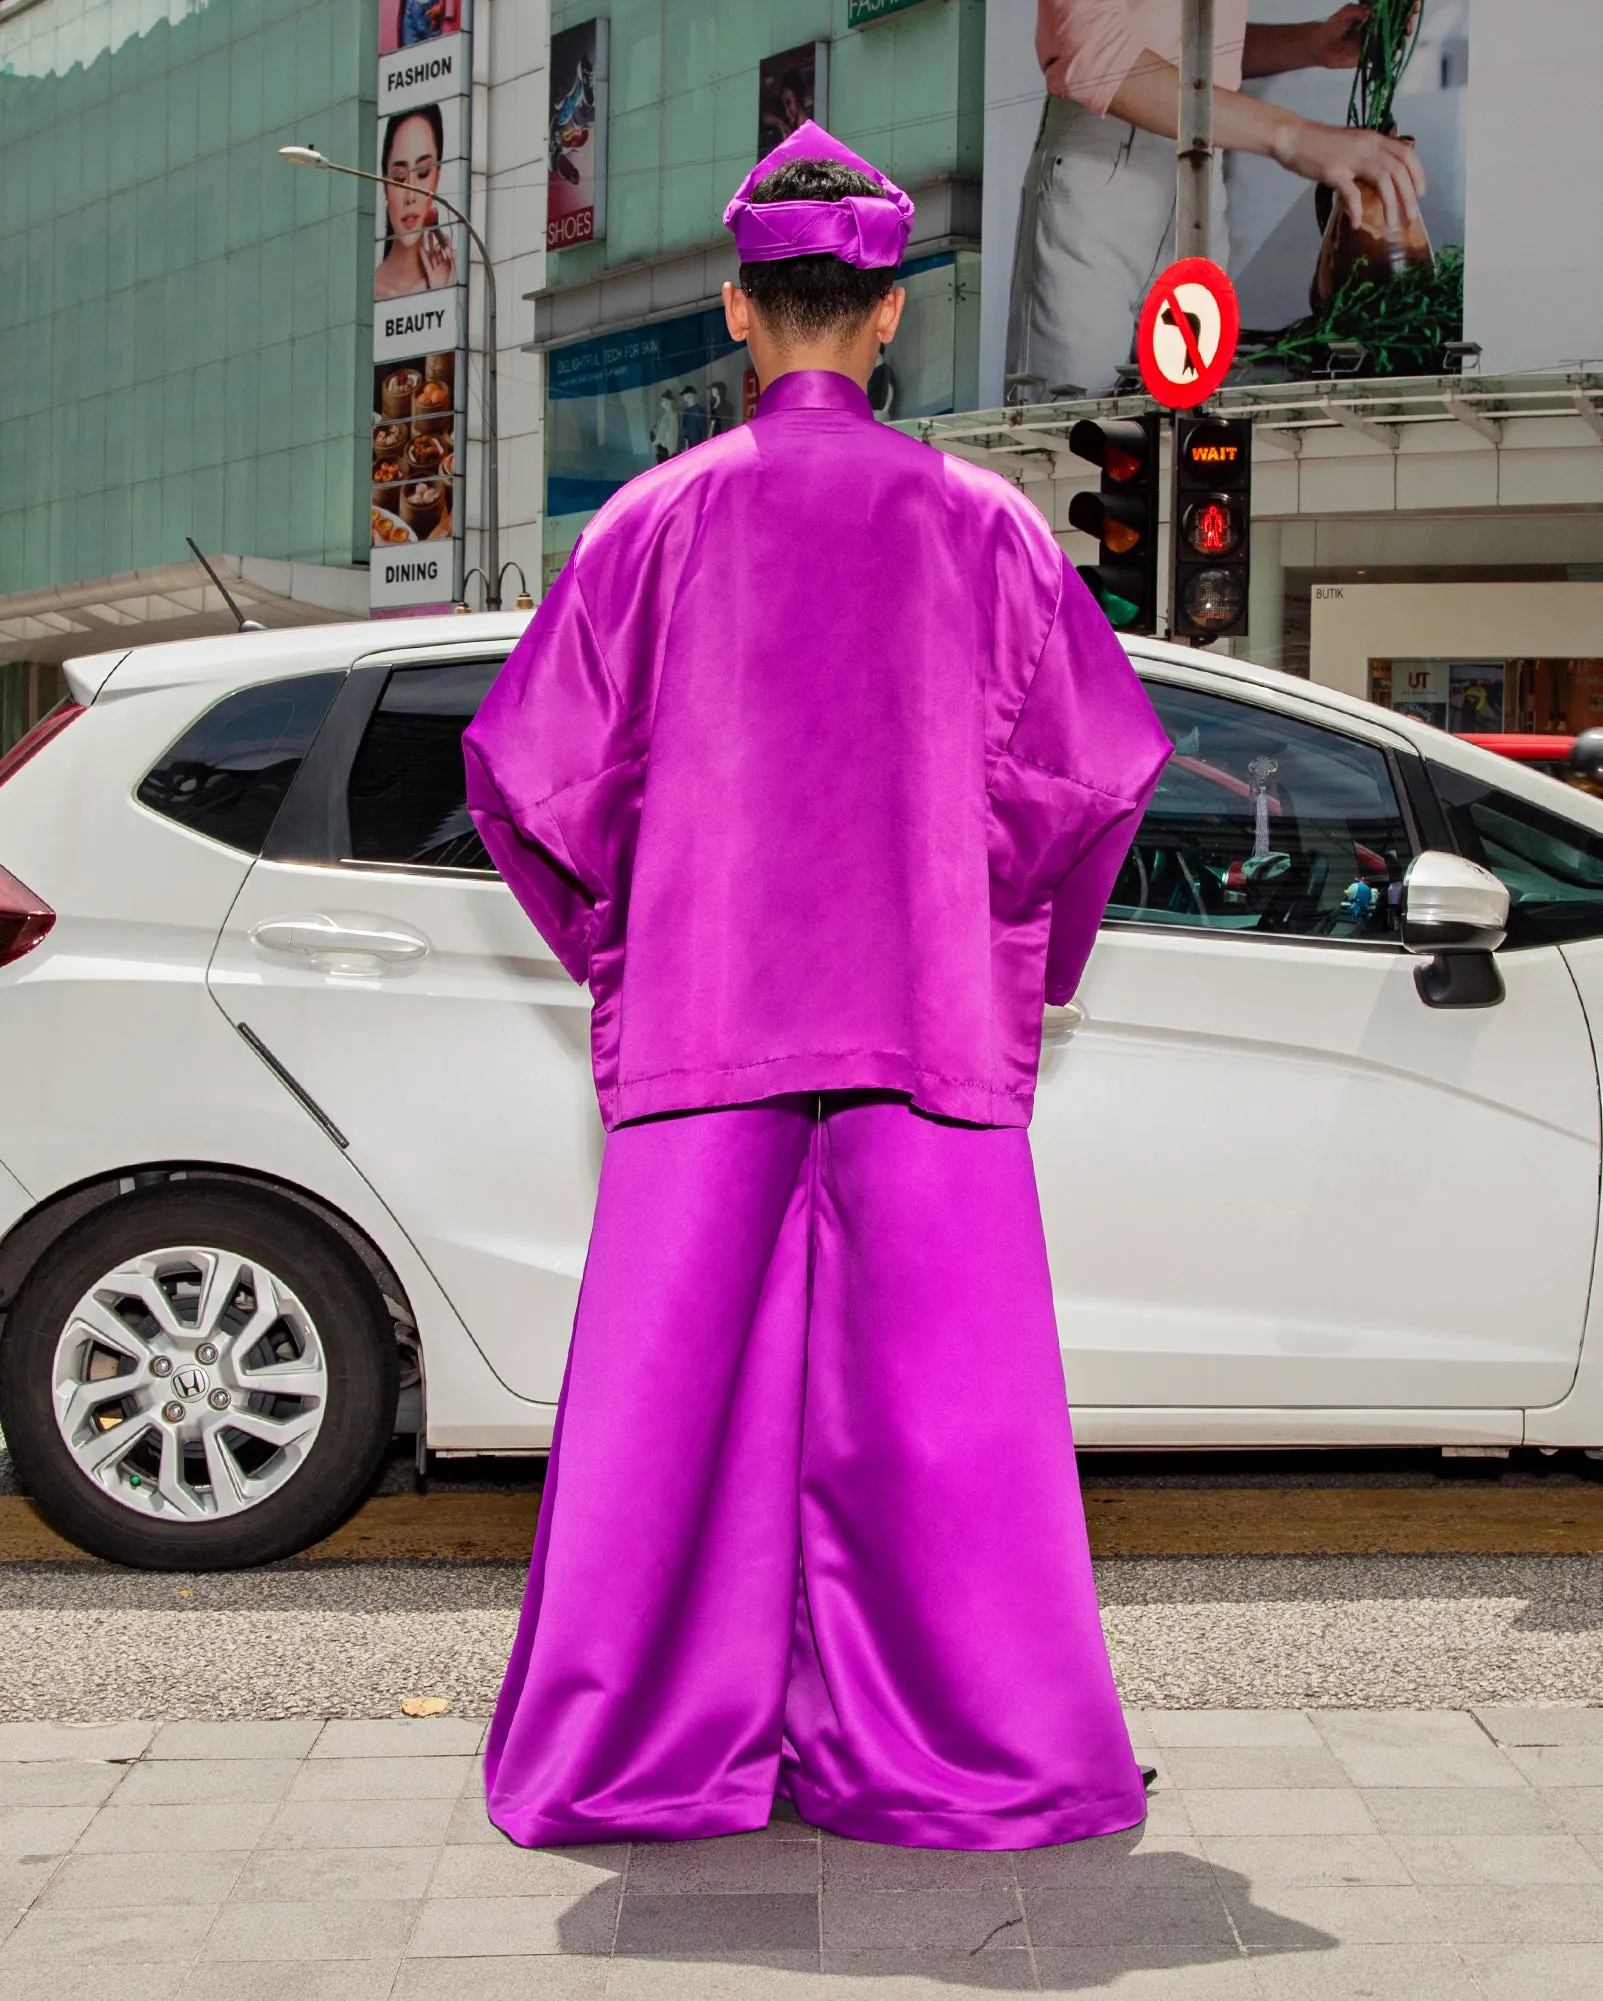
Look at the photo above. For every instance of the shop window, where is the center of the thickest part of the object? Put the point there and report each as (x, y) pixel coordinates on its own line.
(1265, 824)
(1552, 868)
(408, 789)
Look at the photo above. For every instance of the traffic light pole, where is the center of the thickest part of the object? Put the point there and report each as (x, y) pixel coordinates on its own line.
(1193, 210)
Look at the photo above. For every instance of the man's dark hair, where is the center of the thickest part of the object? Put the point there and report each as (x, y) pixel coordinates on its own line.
(804, 297)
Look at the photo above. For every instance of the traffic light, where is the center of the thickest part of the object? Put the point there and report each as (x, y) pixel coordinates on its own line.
(1123, 517)
(1212, 526)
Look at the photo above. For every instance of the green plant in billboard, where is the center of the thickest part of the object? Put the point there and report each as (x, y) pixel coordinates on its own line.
(1386, 43)
(1403, 322)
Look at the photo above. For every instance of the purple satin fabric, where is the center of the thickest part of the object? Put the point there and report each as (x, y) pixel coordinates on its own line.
(818, 762)
(812, 1523)
(868, 232)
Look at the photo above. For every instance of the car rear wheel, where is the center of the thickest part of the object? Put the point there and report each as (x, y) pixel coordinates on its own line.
(197, 1379)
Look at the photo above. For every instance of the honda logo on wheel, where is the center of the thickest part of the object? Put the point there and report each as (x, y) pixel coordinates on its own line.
(191, 1383)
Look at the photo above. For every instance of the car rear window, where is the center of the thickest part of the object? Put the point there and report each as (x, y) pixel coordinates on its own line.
(226, 776)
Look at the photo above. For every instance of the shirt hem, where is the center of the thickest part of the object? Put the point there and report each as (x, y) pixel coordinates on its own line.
(858, 1070)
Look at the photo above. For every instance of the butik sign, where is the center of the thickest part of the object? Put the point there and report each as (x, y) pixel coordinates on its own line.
(576, 137)
(420, 258)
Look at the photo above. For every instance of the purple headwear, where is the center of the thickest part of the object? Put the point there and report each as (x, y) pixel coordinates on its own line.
(869, 231)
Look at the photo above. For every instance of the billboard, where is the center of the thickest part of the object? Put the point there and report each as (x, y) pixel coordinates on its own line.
(424, 99)
(576, 192)
(792, 87)
(1339, 204)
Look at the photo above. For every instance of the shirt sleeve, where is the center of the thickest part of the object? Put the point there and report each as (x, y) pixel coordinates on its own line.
(554, 775)
(1086, 48)
(1069, 790)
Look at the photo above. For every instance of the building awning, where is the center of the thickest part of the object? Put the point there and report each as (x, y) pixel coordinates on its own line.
(174, 601)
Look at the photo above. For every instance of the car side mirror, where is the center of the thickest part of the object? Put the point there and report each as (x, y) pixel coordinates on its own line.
(1586, 755)
(1457, 912)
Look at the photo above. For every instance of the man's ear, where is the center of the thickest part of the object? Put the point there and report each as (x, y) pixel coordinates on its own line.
(737, 312)
(888, 313)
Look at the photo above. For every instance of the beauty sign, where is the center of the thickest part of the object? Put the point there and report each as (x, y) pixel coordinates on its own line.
(1186, 336)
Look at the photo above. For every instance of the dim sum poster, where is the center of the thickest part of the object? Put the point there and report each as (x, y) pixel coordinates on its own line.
(576, 195)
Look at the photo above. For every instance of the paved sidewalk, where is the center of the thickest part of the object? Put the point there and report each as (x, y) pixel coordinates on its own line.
(1425, 1855)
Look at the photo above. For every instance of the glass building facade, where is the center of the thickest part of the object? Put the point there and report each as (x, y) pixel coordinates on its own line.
(184, 317)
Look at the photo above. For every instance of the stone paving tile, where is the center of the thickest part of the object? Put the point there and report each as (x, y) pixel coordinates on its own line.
(1242, 1767)
(1308, 1858)
(867, 1865)
(42, 1830)
(726, 1862)
(533, 1977)
(719, 1924)
(1376, 1972)
(1518, 1913)
(469, 1823)
(1579, 1808)
(61, 1785)
(921, 1976)
(1510, 1724)
(753, 1976)
(507, 1871)
(317, 1875)
(1175, 1729)
(88, 1980)
(1537, 1972)
(400, 1737)
(1280, 1810)
(305, 1930)
(22, 1877)
(204, 1781)
(151, 1829)
(1094, 1970)
(1156, 1861)
(382, 1779)
(1414, 1747)
(88, 1882)
(1462, 1810)
(1496, 1858)
(275, 1738)
(291, 1980)
(358, 1824)
(968, 1921)
(1295, 1917)
(496, 1927)
(1557, 1765)
(153, 1932)
(1125, 1914)
(44, 1741)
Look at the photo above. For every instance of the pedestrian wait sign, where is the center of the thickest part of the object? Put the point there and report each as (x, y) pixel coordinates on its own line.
(1186, 337)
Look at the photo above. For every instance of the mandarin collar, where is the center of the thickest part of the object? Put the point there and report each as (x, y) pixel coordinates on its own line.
(814, 389)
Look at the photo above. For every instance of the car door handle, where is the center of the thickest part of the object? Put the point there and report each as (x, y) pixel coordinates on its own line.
(340, 936)
(1059, 1023)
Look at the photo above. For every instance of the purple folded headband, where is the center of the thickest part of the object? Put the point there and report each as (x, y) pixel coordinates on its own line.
(868, 231)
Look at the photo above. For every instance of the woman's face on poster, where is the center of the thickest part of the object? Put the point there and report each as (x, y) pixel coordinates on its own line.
(413, 158)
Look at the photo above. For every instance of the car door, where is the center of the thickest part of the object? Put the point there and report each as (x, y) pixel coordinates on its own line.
(375, 955)
(1271, 1175)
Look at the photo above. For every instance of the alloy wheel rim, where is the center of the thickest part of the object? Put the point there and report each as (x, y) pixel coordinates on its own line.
(189, 1383)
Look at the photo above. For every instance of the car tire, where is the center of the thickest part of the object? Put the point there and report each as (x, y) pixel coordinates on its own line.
(154, 1505)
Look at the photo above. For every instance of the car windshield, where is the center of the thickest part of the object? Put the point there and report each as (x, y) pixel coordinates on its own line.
(1551, 868)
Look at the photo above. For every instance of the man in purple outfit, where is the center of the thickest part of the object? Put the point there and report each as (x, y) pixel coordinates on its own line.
(817, 763)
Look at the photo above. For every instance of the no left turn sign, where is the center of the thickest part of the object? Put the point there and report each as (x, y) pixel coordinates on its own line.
(1186, 337)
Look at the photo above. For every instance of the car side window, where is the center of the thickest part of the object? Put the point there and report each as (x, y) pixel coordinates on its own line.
(407, 795)
(1266, 824)
(1551, 867)
(227, 775)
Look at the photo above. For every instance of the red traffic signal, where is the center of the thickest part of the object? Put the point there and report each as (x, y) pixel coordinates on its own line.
(1122, 516)
(1213, 527)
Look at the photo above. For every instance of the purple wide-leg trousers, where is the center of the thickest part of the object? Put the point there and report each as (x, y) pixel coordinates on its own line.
(812, 1524)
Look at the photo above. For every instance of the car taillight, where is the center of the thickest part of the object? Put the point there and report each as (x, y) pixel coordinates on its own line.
(24, 919)
(48, 726)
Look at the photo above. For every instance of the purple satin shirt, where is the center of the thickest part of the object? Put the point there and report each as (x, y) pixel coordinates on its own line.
(817, 762)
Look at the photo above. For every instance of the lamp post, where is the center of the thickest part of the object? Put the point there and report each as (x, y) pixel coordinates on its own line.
(308, 156)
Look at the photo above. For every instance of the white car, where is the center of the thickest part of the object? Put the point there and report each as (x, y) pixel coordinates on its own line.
(298, 1145)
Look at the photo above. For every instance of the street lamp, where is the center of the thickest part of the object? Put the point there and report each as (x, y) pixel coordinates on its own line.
(308, 156)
